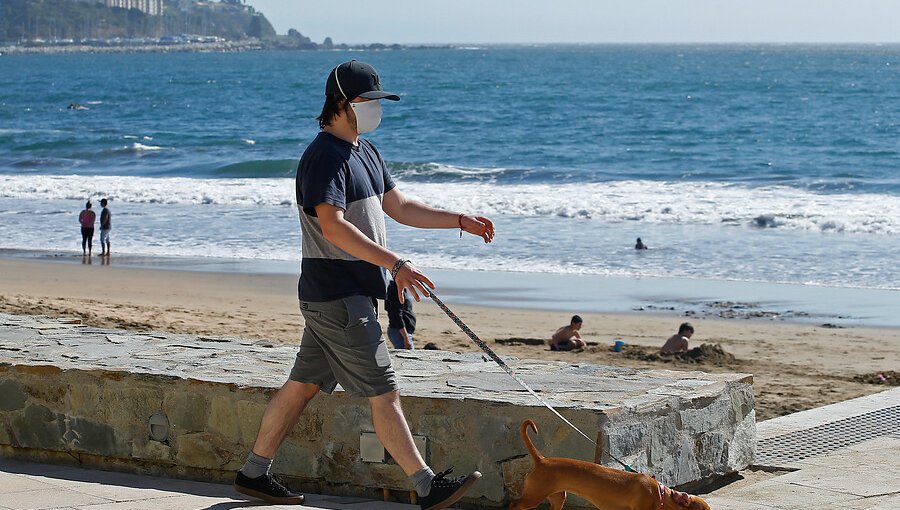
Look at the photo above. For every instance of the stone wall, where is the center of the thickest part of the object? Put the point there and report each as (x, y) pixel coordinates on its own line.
(69, 391)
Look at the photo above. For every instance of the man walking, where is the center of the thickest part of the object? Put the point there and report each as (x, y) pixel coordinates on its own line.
(343, 190)
(105, 227)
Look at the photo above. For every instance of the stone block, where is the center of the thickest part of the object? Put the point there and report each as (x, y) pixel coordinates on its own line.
(44, 388)
(144, 448)
(223, 420)
(297, 458)
(664, 440)
(249, 414)
(97, 438)
(742, 401)
(678, 426)
(200, 450)
(712, 453)
(84, 396)
(5, 435)
(311, 426)
(710, 415)
(12, 398)
(742, 447)
(626, 439)
(513, 473)
(188, 410)
(40, 428)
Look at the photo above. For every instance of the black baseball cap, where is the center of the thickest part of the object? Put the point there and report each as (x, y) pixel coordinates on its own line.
(356, 79)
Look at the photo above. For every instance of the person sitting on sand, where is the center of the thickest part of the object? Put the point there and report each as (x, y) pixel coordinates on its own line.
(639, 245)
(679, 341)
(567, 338)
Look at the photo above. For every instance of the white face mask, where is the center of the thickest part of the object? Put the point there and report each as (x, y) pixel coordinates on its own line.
(368, 115)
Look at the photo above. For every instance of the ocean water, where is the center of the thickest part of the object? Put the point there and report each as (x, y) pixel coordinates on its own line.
(766, 163)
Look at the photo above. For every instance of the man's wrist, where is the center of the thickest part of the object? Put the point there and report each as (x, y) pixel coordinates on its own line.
(397, 265)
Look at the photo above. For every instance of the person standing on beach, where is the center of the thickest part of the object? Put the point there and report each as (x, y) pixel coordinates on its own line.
(401, 319)
(105, 227)
(567, 338)
(679, 341)
(343, 191)
(86, 219)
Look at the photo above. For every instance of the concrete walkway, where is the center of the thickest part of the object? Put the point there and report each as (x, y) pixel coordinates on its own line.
(839, 456)
(31, 486)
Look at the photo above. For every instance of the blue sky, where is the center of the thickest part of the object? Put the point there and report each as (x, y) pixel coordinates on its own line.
(586, 21)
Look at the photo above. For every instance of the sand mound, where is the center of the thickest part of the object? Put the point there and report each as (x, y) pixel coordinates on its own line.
(888, 377)
(520, 341)
(710, 354)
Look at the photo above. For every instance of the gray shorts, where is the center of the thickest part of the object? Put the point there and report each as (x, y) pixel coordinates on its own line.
(342, 343)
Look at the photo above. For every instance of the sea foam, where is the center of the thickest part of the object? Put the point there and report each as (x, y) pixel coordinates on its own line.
(629, 202)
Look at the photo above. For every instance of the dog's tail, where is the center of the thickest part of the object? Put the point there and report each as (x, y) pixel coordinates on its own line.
(535, 454)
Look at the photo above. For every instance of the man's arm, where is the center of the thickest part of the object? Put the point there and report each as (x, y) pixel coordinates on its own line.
(343, 234)
(416, 214)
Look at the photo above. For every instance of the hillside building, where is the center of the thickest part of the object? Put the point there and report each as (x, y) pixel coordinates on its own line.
(151, 7)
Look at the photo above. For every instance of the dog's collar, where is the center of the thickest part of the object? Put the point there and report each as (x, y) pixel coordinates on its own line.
(662, 494)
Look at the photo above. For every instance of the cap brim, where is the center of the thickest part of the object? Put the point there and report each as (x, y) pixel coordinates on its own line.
(379, 94)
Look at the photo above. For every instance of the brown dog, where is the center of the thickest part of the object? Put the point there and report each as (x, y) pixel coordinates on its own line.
(607, 489)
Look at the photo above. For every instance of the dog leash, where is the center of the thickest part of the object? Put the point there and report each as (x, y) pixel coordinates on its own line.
(484, 347)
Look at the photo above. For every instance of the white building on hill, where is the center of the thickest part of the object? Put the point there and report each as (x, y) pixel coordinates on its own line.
(151, 7)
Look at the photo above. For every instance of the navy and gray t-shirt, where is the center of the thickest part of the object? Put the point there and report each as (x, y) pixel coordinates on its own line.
(353, 178)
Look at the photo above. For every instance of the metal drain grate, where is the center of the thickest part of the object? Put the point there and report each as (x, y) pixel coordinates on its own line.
(796, 446)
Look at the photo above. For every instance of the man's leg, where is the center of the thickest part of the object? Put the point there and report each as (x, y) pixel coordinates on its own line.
(435, 492)
(393, 432)
(282, 415)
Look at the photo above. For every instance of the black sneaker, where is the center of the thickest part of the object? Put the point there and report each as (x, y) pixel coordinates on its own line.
(446, 491)
(267, 488)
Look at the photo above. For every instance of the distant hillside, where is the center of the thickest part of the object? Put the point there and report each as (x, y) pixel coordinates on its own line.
(61, 20)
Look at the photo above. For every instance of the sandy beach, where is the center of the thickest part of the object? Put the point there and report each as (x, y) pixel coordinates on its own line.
(796, 366)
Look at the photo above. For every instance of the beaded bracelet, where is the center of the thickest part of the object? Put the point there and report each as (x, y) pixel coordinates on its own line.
(397, 266)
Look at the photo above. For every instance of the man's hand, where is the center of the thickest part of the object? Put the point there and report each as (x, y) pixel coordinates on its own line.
(478, 225)
(409, 277)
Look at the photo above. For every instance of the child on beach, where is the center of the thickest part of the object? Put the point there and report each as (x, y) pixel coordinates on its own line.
(567, 338)
(678, 342)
